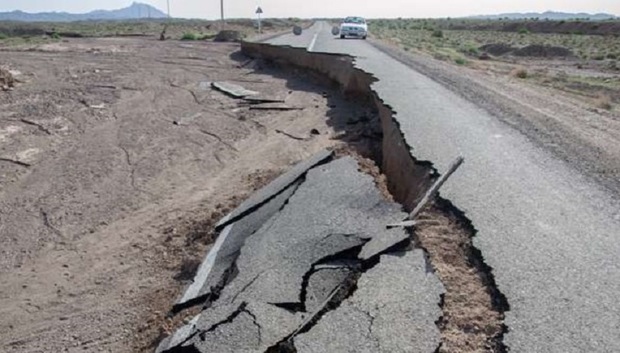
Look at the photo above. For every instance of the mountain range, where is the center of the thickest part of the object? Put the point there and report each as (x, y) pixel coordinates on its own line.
(550, 15)
(134, 11)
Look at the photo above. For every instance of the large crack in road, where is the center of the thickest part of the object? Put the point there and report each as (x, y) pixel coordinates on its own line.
(473, 307)
(364, 303)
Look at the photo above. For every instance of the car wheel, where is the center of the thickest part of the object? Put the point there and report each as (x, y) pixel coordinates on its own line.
(342, 36)
(364, 37)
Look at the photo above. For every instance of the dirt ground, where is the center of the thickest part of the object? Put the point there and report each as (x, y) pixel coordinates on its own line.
(115, 159)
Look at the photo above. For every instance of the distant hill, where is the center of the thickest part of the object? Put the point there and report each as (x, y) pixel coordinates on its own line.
(135, 11)
(550, 15)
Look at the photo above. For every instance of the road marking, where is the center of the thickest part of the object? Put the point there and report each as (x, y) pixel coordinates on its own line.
(311, 47)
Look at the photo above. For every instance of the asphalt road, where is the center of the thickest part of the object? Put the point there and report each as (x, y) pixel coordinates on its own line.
(305, 257)
(550, 234)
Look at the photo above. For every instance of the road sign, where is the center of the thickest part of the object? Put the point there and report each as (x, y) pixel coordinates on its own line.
(259, 11)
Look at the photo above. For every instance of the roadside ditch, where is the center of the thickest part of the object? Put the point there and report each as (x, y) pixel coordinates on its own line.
(472, 306)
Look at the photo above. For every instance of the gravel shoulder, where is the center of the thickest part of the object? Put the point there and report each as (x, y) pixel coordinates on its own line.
(117, 155)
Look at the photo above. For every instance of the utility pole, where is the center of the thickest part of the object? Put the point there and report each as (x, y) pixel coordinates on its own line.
(168, 2)
(222, 10)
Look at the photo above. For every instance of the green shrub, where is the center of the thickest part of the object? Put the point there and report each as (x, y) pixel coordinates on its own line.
(55, 35)
(190, 36)
(470, 50)
(612, 56)
(460, 61)
(598, 57)
(524, 30)
(437, 33)
(3, 36)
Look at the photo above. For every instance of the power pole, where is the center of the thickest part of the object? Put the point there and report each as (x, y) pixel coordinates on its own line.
(168, 2)
(222, 11)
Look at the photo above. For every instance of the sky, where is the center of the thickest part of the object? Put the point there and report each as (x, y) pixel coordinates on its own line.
(210, 9)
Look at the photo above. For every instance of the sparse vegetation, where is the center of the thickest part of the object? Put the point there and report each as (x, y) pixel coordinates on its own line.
(603, 101)
(469, 35)
(509, 46)
(460, 61)
(437, 33)
(524, 31)
(190, 36)
(519, 73)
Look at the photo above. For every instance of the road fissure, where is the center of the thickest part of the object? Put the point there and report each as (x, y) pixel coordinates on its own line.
(445, 234)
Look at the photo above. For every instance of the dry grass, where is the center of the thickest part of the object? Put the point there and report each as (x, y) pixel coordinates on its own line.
(603, 101)
(519, 72)
(470, 322)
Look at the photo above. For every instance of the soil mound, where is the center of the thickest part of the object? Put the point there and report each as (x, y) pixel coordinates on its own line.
(543, 51)
(497, 49)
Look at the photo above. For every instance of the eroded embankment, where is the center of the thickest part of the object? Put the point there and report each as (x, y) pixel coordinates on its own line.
(473, 308)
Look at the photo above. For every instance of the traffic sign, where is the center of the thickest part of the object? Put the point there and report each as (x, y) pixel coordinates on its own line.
(259, 10)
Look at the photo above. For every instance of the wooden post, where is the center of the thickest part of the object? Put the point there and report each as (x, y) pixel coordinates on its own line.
(430, 195)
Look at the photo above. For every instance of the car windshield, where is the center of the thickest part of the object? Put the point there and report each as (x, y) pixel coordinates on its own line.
(356, 20)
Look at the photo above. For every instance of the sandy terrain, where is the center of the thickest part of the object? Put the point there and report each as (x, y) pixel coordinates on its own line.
(116, 159)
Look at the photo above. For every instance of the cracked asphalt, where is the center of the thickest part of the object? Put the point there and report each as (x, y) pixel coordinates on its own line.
(322, 274)
(549, 232)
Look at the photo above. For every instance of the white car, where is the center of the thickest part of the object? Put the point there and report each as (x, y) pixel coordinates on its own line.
(354, 27)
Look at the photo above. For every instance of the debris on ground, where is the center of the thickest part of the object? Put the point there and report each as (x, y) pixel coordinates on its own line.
(7, 81)
(292, 136)
(232, 89)
(274, 106)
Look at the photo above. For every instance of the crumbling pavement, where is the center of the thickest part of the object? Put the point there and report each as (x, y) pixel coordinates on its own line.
(308, 265)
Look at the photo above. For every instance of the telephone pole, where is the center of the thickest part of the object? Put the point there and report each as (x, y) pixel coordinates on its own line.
(222, 9)
(168, 2)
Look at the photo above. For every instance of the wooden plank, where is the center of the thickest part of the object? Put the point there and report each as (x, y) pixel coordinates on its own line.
(432, 192)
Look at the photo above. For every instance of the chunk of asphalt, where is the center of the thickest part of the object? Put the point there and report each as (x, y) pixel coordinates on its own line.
(179, 337)
(242, 334)
(221, 257)
(322, 284)
(393, 310)
(251, 327)
(278, 279)
(275, 187)
(261, 100)
(233, 90)
(335, 213)
(335, 210)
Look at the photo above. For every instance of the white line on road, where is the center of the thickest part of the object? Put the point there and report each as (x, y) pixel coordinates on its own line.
(311, 46)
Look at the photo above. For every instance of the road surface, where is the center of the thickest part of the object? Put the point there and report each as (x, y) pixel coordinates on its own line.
(307, 261)
(550, 234)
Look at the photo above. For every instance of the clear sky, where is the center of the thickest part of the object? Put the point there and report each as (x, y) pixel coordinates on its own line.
(326, 8)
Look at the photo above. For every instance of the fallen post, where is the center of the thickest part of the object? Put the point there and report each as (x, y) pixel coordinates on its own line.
(430, 195)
